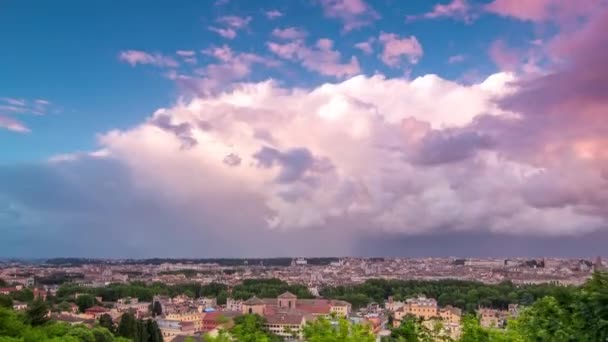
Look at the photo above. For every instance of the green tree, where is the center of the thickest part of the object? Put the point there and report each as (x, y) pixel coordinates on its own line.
(6, 301)
(154, 333)
(85, 301)
(324, 330)
(128, 327)
(472, 330)
(106, 321)
(102, 335)
(64, 306)
(37, 313)
(25, 295)
(546, 320)
(250, 328)
(157, 309)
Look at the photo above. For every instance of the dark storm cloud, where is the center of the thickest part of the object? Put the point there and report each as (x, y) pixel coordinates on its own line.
(448, 146)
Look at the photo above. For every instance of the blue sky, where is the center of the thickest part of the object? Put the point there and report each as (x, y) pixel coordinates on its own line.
(349, 126)
(67, 53)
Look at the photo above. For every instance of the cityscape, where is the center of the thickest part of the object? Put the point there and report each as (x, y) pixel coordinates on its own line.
(304, 171)
(195, 300)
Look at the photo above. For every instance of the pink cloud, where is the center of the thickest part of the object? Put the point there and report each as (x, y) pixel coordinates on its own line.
(321, 58)
(13, 125)
(505, 58)
(563, 11)
(232, 66)
(366, 46)
(289, 33)
(232, 24)
(457, 9)
(273, 14)
(352, 13)
(395, 48)
(134, 57)
(235, 21)
(227, 33)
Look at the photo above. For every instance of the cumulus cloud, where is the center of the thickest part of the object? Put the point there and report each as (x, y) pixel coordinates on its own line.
(321, 58)
(457, 9)
(366, 46)
(289, 33)
(231, 24)
(562, 11)
(273, 14)
(353, 13)
(394, 48)
(134, 57)
(231, 66)
(414, 155)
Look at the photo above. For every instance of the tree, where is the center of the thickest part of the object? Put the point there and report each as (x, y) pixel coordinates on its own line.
(323, 330)
(102, 335)
(546, 320)
(154, 333)
(25, 295)
(250, 328)
(37, 313)
(472, 330)
(64, 306)
(6, 301)
(128, 327)
(157, 309)
(85, 301)
(106, 321)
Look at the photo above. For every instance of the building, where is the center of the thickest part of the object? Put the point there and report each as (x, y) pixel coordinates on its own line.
(392, 305)
(95, 312)
(286, 315)
(19, 306)
(286, 325)
(491, 318)
(421, 307)
(234, 305)
(450, 314)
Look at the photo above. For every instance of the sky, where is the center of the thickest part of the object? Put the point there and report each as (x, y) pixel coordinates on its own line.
(227, 128)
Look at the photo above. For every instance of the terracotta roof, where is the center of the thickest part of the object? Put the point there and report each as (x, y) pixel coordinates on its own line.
(254, 301)
(284, 318)
(288, 295)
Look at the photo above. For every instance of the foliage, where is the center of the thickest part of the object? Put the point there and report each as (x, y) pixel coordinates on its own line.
(268, 288)
(325, 330)
(6, 301)
(85, 301)
(250, 328)
(37, 312)
(466, 295)
(157, 309)
(15, 327)
(25, 295)
(138, 330)
(106, 321)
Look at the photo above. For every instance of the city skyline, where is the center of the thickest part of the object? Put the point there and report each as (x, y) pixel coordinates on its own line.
(229, 128)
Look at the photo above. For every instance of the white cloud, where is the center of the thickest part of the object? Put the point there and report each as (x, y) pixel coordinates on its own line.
(363, 160)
